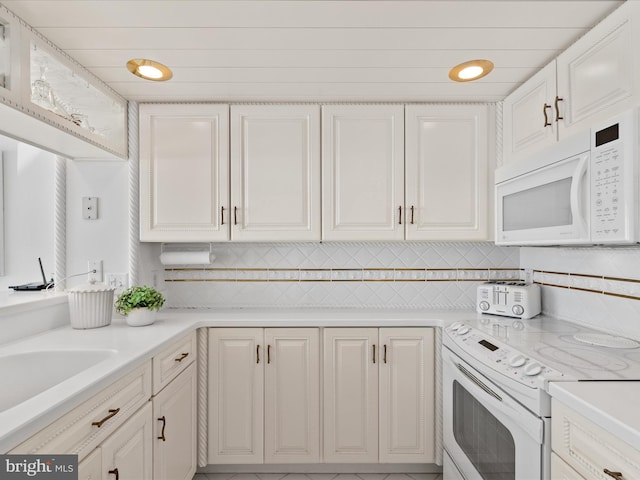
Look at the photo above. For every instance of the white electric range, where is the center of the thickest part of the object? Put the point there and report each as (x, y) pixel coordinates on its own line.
(496, 375)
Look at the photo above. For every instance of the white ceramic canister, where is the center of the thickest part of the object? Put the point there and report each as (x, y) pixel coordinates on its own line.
(91, 305)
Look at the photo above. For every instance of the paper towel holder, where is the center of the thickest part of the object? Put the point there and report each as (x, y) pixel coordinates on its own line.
(192, 253)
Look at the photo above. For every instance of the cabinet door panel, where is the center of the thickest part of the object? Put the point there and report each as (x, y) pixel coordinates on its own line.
(525, 129)
(292, 396)
(363, 172)
(175, 420)
(275, 172)
(184, 172)
(129, 449)
(91, 467)
(236, 395)
(407, 396)
(596, 74)
(350, 395)
(447, 181)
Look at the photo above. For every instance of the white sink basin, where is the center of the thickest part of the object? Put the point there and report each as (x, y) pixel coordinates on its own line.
(25, 375)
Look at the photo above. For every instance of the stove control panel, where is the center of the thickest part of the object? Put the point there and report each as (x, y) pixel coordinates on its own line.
(499, 356)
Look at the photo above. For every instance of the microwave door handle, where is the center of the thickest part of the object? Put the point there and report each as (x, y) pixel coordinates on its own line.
(576, 189)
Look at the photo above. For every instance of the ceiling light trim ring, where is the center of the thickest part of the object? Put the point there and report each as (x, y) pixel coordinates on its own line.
(134, 65)
(485, 65)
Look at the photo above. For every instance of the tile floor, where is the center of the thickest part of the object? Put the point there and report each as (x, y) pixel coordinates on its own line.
(317, 476)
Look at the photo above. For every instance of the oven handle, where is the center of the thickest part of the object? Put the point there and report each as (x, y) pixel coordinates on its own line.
(478, 382)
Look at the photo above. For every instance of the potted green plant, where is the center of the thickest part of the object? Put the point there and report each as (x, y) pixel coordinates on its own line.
(139, 305)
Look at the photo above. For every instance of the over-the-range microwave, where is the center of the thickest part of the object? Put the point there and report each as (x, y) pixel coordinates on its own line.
(581, 191)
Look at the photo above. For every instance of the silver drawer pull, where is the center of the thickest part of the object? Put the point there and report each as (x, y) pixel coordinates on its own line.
(112, 413)
(182, 357)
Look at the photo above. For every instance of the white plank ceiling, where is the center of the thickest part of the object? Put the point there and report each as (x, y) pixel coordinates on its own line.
(323, 50)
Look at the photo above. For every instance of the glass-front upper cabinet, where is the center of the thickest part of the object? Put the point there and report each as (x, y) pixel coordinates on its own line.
(50, 100)
(63, 92)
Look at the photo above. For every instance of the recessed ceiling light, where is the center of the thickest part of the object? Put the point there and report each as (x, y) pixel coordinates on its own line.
(472, 70)
(149, 70)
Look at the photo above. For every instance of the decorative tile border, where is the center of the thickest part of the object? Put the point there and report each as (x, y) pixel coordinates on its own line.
(186, 274)
(613, 286)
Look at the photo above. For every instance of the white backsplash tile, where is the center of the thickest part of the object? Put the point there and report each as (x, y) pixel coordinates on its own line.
(373, 275)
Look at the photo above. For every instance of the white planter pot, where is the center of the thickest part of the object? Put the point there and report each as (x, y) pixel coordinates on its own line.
(139, 317)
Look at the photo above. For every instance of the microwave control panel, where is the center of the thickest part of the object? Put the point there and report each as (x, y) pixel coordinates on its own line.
(612, 177)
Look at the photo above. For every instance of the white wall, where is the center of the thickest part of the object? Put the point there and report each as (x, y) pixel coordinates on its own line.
(107, 237)
(28, 212)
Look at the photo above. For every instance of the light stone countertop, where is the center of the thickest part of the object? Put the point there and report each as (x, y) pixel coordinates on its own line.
(137, 345)
(610, 405)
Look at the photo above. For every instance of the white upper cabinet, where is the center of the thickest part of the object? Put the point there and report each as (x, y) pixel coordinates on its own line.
(275, 172)
(184, 173)
(529, 114)
(447, 172)
(363, 172)
(600, 74)
(595, 78)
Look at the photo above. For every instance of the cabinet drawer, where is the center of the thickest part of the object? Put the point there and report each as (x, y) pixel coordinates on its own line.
(78, 432)
(561, 471)
(173, 360)
(590, 449)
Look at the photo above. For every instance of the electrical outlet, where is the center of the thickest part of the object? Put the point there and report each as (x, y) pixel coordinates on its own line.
(96, 276)
(120, 281)
(528, 275)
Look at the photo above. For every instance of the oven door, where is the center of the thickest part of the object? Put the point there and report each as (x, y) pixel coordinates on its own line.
(487, 434)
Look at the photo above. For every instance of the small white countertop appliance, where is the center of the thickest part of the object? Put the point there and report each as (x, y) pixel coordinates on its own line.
(512, 299)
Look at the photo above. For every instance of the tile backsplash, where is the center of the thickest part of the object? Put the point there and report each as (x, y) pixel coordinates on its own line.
(372, 275)
(598, 286)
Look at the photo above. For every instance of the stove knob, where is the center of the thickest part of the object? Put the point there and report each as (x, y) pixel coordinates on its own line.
(517, 361)
(463, 330)
(455, 326)
(532, 369)
(484, 306)
(517, 309)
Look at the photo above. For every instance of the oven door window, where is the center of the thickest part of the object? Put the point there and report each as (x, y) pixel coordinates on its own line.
(485, 441)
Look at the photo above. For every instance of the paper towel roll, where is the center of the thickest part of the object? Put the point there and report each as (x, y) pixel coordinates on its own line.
(187, 258)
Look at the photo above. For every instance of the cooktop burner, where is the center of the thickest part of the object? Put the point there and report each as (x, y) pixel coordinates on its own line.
(581, 358)
(606, 340)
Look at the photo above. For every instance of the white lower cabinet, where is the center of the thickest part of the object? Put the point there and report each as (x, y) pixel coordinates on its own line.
(264, 395)
(379, 399)
(91, 467)
(175, 436)
(128, 453)
(592, 451)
